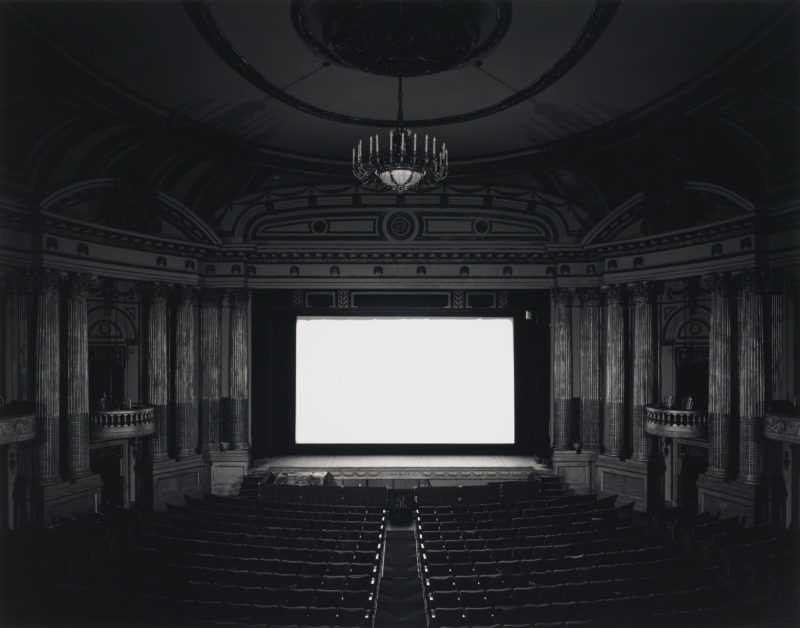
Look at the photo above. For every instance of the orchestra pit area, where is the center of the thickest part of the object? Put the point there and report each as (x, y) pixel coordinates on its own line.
(513, 554)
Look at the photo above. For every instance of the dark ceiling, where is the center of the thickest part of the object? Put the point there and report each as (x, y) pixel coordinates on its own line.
(588, 101)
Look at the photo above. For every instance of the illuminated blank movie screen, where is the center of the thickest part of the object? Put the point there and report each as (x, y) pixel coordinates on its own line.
(364, 380)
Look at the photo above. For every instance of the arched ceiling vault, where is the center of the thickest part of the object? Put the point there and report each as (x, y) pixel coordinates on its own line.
(589, 102)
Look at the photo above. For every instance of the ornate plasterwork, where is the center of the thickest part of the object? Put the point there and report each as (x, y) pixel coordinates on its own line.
(782, 427)
(305, 213)
(15, 429)
(171, 211)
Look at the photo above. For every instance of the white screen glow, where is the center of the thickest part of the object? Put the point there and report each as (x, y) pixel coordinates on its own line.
(362, 380)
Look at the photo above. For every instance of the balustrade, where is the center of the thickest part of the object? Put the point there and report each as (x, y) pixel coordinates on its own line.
(676, 422)
(128, 423)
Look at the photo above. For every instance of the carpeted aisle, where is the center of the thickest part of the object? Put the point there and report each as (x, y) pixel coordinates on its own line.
(400, 600)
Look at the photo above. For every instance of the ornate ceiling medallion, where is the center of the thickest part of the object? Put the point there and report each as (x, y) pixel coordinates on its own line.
(393, 38)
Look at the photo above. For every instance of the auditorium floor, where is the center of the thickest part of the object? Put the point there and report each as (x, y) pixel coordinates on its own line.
(445, 468)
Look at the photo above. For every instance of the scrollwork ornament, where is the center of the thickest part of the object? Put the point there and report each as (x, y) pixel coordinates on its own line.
(563, 296)
(644, 291)
(717, 283)
(615, 294)
(590, 297)
(78, 284)
(44, 280)
(184, 294)
(238, 297)
(212, 297)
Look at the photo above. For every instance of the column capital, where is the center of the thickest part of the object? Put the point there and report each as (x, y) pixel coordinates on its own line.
(645, 291)
(615, 294)
(777, 281)
(19, 281)
(154, 291)
(184, 293)
(717, 283)
(44, 280)
(751, 281)
(211, 297)
(590, 296)
(78, 284)
(238, 297)
(563, 296)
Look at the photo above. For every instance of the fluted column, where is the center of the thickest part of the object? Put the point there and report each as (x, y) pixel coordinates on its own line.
(17, 338)
(77, 376)
(751, 378)
(719, 377)
(186, 428)
(156, 372)
(210, 360)
(591, 376)
(778, 337)
(46, 375)
(644, 365)
(562, 368)
(239, 373)
(614, 427)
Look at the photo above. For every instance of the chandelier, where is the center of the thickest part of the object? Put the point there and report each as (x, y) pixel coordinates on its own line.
(406, 166)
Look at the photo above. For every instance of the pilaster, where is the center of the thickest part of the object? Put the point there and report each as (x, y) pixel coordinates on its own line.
(186, 423)
(719, 377)
(751, 378)
(614, 427)
(239, 377)
(46, 374)
(77, 379)
(210, 360)
(156, 365)
(590, 371)
(562, 369)
(644, 365)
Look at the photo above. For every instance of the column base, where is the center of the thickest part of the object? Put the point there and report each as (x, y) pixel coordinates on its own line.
(172, 479)
(732, 498)
(65, 499)
(227, 469)
(575, 470)
(628, 479)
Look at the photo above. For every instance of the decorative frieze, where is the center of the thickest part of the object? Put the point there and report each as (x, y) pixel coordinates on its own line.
(719, 376)
(751, 377)
(644, 364)
(562, 368)
(590, 371)
(44, 285)
(614, 427)
(77, 288)
(239, 369)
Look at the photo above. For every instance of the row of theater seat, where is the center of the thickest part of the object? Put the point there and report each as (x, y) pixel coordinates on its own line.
(221, 523)
(694, 609)
(180, 528)
(209, 562)
(554, 576)
(506, 549)
(239, 576)
(491, 587)
(263, 510)
(534, 505)
(312, 510)
(103, 607)
(170, 543)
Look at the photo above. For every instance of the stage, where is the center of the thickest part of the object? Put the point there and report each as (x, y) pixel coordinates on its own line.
(407, 471)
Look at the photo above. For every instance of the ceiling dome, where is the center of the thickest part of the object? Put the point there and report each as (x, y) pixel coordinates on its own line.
(394, 38)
